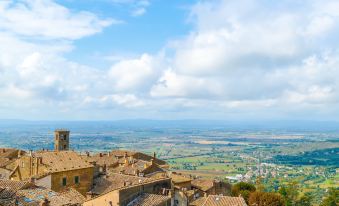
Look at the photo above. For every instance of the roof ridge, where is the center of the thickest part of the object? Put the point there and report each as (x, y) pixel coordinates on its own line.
(205, 201)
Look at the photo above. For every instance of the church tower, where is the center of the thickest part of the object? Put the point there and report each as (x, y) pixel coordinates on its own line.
(61, 140)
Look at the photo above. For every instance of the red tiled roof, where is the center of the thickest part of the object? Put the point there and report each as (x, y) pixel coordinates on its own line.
(216, 200)
(203, 184)
(62, 161)
(149, 200)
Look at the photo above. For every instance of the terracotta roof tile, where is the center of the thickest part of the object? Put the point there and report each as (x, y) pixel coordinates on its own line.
(203, 184)
(149, 200)
(216, 200)
(62, 161)
(113, 181)
(103, 159)
(9, 187)
(177, 178)
(38, 194)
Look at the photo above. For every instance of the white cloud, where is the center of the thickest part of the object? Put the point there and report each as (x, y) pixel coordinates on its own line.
(134, 74)
(108, 101)
(174, 85)
(48, 19)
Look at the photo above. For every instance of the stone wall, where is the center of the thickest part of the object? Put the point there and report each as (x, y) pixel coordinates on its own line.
(85, 176)
(121, 197)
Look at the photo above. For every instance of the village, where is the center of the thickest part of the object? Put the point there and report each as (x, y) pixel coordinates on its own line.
(115, 178)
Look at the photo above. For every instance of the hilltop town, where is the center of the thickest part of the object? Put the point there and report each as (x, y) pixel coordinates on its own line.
(115, 178)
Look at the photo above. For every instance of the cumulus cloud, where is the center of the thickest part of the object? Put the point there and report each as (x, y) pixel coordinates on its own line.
(48, 19)
(134, 74)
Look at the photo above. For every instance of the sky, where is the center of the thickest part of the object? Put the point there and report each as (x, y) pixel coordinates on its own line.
(160, 59)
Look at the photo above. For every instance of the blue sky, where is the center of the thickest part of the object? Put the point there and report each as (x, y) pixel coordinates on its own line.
(157, 59)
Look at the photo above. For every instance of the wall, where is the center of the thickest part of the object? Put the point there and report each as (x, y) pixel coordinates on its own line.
(123, 196)
(180, 198)
(44, 182)
(85, 175)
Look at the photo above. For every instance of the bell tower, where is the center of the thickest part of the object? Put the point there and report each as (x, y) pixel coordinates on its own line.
(61, 139)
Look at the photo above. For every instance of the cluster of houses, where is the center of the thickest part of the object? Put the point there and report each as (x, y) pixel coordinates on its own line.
(115, 178)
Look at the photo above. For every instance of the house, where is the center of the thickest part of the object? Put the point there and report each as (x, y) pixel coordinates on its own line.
(55, 170)
(219, 200)
(146, 199)
(7, 157)
(114, 189)
(180, 181)
(182, 189)
(26, 193)
(131, 166)
(206, 187)
(126, 162)
(123, 154)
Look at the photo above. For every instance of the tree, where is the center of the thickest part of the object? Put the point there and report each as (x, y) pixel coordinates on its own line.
(332, 198)
(259, 198)
(244, 189)
(290, 193)
(305, 200)
(258, 183)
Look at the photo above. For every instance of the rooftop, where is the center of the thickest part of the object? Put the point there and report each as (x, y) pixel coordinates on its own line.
(178, 178)
(203, 184)
(62, 161)
(113, 181)
(217, 200)
(27, 193)
(149, 200)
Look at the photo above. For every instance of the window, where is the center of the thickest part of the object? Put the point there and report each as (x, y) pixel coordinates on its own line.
(76, 180)
(64, 181)
(64, 146)
(65, 137)
(22, 164)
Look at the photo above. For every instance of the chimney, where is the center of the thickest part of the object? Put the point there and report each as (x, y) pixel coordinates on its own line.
(32, 180)
(154, 155)
(45, 202)
(37, 161)
(19, 153)
(89, 195)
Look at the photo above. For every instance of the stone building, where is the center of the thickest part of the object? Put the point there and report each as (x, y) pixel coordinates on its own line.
(205, 187)
(7, 157)
(115, 189)
(146, 199)
(126, 162)
(25, 193)
(61, 140)
(55, 170)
